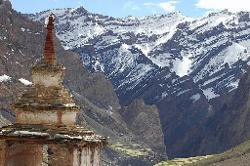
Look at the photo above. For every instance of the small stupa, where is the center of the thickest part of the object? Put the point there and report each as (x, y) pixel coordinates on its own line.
(45, 132)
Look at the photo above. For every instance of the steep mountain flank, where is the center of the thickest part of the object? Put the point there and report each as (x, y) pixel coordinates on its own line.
(238, 155)
(144, 121)
(230, 125)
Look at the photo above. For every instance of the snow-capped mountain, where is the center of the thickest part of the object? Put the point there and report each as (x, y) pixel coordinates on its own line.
(213, 50)
(184, 65)
(117, 47)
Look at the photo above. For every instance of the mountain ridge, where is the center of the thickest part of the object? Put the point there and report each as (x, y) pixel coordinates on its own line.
(95, 25)
(185, 67)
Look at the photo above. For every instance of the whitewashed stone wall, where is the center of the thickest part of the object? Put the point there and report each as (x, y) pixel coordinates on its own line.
(47, 80)
(46, 117)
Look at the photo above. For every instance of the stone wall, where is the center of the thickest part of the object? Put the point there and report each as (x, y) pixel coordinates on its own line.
(32, 154)
(21, 154)
(46, 117)
(60, 155)
(70, 156)
(2, 152)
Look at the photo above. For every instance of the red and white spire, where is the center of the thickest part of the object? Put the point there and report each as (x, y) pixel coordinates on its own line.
(49, 49)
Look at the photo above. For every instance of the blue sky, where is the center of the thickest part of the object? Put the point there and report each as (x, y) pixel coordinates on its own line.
(123, 8)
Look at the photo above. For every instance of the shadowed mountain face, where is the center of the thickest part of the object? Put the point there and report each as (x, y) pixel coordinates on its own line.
(230, 125)
(144, 122)
(21, 45)
(188, 68)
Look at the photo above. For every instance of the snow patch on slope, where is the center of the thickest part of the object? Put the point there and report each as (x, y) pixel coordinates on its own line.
(234, 85)
(209, 93)
(229, 56)
(195, 97)
(145, 48)
(182, 66)
(234, 53)
(5, 78)
(25, 82)
(212, 20)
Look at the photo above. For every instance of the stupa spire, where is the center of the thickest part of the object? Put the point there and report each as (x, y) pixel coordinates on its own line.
(46, 117)
(49, 49)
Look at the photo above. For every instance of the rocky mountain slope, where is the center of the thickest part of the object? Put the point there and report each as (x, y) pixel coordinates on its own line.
(187, 67)
(21, 44)
(136, 112)
(230, 125)
(238, 155)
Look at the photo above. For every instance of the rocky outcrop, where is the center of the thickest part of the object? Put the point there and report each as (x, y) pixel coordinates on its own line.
(227, 123)
(230, 125)
(143, 121)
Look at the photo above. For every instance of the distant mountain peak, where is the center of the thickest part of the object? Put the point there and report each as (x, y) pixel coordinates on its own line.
(79, 10)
